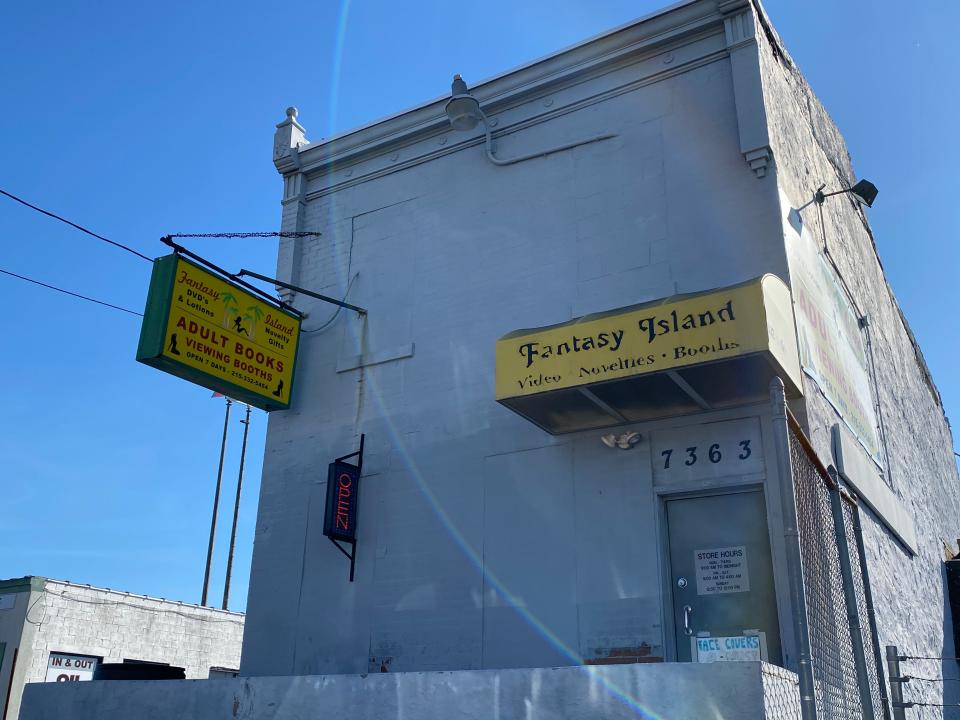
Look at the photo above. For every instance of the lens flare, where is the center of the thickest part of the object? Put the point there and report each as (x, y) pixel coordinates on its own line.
(373, 392)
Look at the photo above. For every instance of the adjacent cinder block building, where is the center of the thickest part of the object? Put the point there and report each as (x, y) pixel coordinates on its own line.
(56, 631)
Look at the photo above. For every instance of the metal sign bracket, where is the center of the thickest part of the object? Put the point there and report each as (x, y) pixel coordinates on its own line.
(352, 555)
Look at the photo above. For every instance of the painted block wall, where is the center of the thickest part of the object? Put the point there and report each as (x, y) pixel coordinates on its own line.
(909, 592)
(79, 619)
(485, 542)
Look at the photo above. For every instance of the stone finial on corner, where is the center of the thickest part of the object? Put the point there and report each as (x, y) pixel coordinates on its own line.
(758, 160)
(287, 140)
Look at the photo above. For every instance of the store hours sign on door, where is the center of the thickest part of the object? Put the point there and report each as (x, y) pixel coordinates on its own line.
(722, 570)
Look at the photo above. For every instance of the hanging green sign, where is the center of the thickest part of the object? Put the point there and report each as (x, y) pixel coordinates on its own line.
(205, 329)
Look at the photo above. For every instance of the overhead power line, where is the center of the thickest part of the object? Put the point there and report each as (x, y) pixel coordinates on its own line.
(67, 292)
(284, 234)
(74, 225)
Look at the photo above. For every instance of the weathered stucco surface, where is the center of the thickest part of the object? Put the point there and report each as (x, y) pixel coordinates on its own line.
(484, 542)
(909, 592)
(16, 598)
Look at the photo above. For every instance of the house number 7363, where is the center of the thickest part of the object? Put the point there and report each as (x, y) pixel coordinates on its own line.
(714, 454)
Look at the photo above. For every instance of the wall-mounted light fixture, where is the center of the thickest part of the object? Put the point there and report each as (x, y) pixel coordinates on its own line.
(626, 441)
(464, 113)
(864, 191)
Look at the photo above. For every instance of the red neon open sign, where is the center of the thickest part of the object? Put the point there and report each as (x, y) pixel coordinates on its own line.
(343, 486)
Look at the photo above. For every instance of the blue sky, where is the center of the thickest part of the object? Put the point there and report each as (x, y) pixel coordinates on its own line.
(141, 119)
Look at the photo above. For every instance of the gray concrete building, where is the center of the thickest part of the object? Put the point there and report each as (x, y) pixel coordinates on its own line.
(52, 631)
(632, 406)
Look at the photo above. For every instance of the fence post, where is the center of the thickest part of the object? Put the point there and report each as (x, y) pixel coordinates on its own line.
(871, 614)
(896, 683)
(791, 535)
(850, 599)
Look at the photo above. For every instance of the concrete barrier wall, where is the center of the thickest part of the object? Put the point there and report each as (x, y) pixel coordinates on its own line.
(745, 691)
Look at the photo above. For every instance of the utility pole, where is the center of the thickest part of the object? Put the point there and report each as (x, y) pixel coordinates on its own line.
(236, 511)
(216, 505)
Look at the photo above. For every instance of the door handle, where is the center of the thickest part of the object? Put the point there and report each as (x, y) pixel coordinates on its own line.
(686, 620)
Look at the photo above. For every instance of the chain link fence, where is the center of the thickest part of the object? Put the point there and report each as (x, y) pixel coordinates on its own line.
(847, 684)
(872, 659)
(780, 693)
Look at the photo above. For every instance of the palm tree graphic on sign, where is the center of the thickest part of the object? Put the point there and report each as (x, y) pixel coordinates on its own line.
(229, 308)
(253, 316)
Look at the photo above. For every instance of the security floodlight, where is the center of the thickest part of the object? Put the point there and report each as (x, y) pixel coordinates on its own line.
(462, 108)
(864, 191)
(626, 441)
(464, 113)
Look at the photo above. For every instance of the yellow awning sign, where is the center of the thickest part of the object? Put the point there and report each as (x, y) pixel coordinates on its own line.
(209, 331)
(661, 337)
